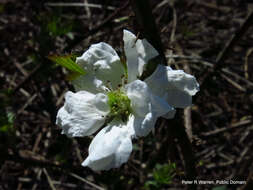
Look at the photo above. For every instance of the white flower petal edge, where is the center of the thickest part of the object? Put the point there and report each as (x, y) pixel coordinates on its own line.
(138, 53)
(82, 114)
(176, 86)
(102, 64)
(146, 107)
(110, 148)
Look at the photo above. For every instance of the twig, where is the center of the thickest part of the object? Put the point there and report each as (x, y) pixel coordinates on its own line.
(209, 63)
(220, 61)
(87, 8)
(146, 21)
(224, 129)
(79, 5)
(214, 6)
(29, 101)
(238, 86)
(185, 147)
(20, 68)
(164, 2)
(86, 181)
(246, 72)
(49, 179)
(27, 78)
(37, 178)
(173, 34)
(187, 111)
(188, 122)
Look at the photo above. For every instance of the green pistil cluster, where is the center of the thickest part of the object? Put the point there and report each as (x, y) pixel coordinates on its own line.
(120, 105)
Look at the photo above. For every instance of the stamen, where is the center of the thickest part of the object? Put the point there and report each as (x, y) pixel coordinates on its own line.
(120, 105)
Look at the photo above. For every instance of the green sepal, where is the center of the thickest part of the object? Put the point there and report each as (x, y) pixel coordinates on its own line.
(72, 76)
(68, 62)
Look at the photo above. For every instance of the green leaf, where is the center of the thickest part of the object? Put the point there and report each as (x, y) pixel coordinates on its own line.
(67, 62)
(4, 128)
(11, 117)
(163, 174)
(150, 183)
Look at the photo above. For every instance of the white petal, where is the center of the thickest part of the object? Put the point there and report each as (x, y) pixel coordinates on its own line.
(139, 95)
(143, 101)
(146, 50)
(175, 86)
(131, 55)
(138, 53)
(160, 107)
(110, 148)
(146, 108)
(89, 83)
(102, 64)
(143, 125)
(82, 114)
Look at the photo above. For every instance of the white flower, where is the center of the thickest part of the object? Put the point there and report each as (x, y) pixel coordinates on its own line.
(128, 110)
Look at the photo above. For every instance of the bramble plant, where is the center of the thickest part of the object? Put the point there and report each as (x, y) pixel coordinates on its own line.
(162, 175)
(132, 105)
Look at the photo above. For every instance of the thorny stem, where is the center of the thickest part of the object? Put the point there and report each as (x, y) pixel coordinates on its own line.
(148, 28)
(145, 19)
(147, 23)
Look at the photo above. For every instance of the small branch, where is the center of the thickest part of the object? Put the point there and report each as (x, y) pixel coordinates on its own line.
(87, 9)
(79, 5)
(208, 74)
(179, 133)
(210, 64)
(146, 21)
(86, 181)
(27, 78)
(49, 179)
(225, 129)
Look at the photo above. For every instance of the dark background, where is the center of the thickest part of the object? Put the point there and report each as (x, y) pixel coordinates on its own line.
(34, 154)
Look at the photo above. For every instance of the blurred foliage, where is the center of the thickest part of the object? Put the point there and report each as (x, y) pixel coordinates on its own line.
(6, 122)
(1, 8)
(186, 31)
(162, 175)
(56, 27)
(7, 117)
(53, 24)
(223, 187)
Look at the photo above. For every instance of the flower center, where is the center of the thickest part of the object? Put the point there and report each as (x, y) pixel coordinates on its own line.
(120, 105)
